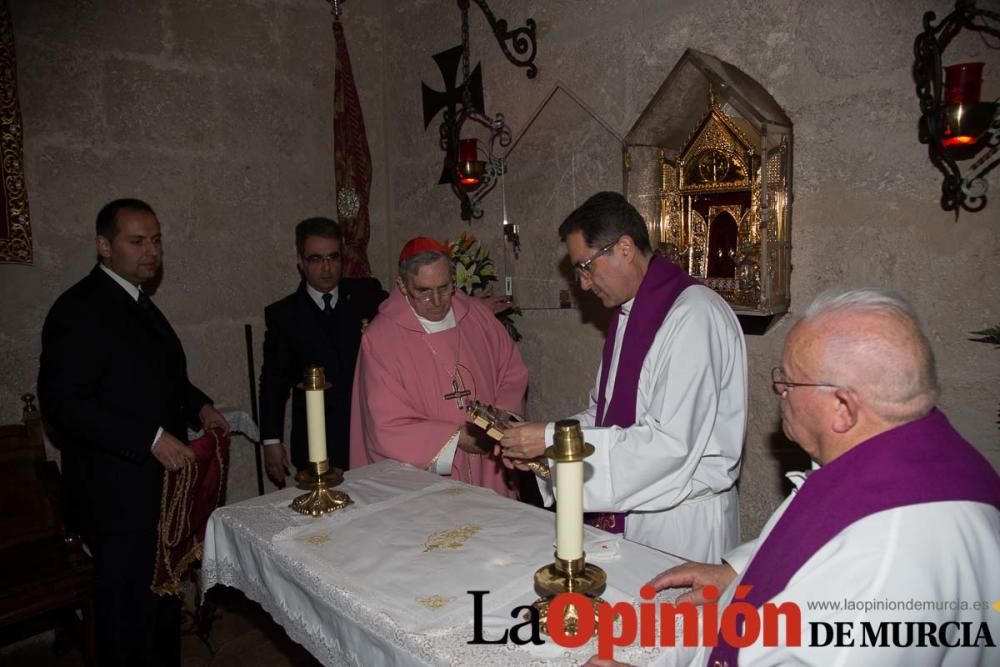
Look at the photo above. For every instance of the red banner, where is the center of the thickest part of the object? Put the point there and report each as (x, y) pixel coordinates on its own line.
(353, 163)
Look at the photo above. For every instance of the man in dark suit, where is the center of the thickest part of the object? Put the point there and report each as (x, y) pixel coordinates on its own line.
(320, 324)
(113, 383)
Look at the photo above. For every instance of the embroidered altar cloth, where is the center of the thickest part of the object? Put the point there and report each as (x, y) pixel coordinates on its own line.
(415, 556)
(385, 580)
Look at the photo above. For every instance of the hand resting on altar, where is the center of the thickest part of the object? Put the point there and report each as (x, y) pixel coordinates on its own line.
(695, 576)
(691, 574)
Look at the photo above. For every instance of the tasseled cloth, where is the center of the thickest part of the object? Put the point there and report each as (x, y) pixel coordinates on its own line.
(189, 496)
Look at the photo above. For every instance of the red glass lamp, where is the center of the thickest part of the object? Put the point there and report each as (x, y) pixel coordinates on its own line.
(469, 167)
(965, 118)
(955, 123)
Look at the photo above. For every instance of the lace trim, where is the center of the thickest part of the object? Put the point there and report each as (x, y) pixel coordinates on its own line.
(451, 648)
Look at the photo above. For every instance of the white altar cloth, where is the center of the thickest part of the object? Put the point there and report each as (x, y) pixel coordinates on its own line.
(382, 582)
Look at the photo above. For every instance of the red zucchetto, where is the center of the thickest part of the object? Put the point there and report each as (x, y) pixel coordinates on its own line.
(420, 244)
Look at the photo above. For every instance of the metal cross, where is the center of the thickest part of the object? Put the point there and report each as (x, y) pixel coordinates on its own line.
(458, 394)
(456, 96)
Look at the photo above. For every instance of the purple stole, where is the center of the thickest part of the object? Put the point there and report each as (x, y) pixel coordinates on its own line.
(923, 461)
(660, 287)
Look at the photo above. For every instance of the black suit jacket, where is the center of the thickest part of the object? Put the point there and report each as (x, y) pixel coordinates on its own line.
(111, 375)
(299, 335)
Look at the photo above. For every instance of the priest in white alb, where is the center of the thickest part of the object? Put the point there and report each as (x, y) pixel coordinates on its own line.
(667, 414)
(431, 352)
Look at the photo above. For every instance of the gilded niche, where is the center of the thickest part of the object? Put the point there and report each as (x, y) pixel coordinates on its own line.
(712, 180)
(708, 222)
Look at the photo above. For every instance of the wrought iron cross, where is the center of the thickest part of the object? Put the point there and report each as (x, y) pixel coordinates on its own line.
(451, 100)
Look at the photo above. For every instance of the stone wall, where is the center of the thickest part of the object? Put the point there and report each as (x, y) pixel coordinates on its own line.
(219, 113)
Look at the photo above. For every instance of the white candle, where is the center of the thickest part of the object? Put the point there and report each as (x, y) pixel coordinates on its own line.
(569, 510)
(316, 420)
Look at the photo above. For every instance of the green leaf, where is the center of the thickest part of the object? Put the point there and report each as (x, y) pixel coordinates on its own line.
(463, 279)
(990, 336)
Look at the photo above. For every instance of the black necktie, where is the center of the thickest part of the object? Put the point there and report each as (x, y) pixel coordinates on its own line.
(152, 314)
(327, 308)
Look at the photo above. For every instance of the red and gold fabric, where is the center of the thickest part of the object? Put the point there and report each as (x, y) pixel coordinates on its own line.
(352, 163)
(15, 227)
(190, 495)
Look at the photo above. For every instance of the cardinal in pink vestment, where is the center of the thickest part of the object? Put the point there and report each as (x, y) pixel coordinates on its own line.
(428, 354)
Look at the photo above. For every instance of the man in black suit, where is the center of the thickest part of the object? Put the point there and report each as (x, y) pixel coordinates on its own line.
(113, 383)
(320, 324)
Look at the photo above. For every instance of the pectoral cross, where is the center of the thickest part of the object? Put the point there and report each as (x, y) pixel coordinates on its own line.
(458, 394)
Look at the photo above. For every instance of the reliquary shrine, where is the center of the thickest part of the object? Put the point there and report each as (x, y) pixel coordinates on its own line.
(709, 166)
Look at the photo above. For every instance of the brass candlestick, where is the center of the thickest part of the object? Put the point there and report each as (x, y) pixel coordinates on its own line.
(306, 479)
(321, 499)
(562, 575)
(569, 576)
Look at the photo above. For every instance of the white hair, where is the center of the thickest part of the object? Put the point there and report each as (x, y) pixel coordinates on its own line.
(887, 360)
(866, 298)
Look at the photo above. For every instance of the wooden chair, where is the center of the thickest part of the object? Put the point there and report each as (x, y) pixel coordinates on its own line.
(44, 572)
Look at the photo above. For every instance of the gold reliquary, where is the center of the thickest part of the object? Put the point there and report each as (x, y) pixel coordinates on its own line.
(709, 166)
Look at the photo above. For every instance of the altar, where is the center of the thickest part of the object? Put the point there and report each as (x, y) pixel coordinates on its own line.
(387, 580)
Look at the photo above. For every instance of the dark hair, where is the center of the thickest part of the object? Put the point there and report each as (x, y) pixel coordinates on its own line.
(322, 227)
(604, 218)
(410, 266)
(107, 218)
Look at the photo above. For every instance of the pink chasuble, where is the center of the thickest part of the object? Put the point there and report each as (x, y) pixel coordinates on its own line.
(399, 408)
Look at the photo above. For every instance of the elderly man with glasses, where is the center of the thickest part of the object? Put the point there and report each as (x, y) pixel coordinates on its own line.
(889, 547)
(428, 355)
(667, 413)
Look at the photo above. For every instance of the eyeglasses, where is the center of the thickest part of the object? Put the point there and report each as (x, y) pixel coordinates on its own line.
(583, 268)
(780, 385)
(435, 294)
(318, 260)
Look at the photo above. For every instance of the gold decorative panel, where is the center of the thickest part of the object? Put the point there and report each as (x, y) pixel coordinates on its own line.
(15, 220)
(720, 215)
